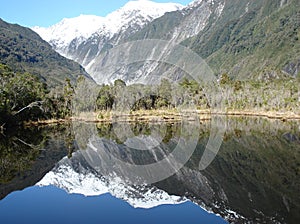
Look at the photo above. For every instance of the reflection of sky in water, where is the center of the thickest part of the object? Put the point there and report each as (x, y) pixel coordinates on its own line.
(52, 205)
(254, 176)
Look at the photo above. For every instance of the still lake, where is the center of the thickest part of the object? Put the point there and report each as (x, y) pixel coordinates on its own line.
(151, 172)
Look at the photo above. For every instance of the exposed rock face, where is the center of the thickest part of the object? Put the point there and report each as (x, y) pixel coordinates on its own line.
(240, 37)
(84, 37)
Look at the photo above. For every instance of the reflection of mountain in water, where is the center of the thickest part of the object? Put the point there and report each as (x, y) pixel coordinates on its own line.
(253, 179)
(76, 176)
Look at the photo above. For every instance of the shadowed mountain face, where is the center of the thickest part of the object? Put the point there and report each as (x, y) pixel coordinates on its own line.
(253, 177)
(24, 51)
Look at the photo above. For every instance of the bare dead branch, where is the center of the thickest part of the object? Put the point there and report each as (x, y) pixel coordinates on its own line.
(33, 104)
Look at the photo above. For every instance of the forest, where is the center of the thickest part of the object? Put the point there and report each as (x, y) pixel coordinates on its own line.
(23, 97)
(278, 95)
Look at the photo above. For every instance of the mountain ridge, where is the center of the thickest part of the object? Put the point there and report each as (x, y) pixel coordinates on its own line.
(87, 182)
(89, 34)
(25, 51)
(242, 38)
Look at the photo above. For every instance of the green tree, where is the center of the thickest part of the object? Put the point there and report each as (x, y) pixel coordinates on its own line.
(105, 99)
(119, 82)
(22, 96)
(68, 96)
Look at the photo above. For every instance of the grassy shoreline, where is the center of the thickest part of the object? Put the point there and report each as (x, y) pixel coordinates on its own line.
(164, 115)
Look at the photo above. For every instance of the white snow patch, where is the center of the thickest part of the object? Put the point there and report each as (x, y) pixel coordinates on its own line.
(220, 9)
(89, 184)
(194, 3)
(84, 26)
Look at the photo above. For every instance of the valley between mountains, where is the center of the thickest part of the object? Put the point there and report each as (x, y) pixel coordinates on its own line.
(164, 106)
(251, 48)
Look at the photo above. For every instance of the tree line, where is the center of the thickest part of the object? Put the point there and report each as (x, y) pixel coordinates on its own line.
(24, 97)
(280, 95)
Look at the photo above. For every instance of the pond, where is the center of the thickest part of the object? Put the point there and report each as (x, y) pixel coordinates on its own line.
(152, 172)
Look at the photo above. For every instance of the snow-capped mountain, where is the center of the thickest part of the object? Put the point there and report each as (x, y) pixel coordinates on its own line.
(175, 27)
(83, 37)
(210, 28)
(77, 178)
(61, 34)
(103, 166)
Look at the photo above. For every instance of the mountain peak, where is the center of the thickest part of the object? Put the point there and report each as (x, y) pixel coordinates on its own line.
(150, 7)
(133, 10)
(149, 4)
(82, 27)
(68, 28)
(90, 182)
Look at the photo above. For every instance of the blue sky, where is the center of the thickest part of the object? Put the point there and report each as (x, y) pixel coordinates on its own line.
(48, 12)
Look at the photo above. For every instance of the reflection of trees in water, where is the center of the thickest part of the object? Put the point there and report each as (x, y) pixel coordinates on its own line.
(18, 152)
(255, 172)
(21, 148)
(168, 131)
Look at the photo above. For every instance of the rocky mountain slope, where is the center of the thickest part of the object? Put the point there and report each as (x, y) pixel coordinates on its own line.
(243, 38)
(84, 37)
(247, 39)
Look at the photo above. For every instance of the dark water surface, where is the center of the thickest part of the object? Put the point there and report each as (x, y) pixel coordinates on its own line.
(87, 173)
